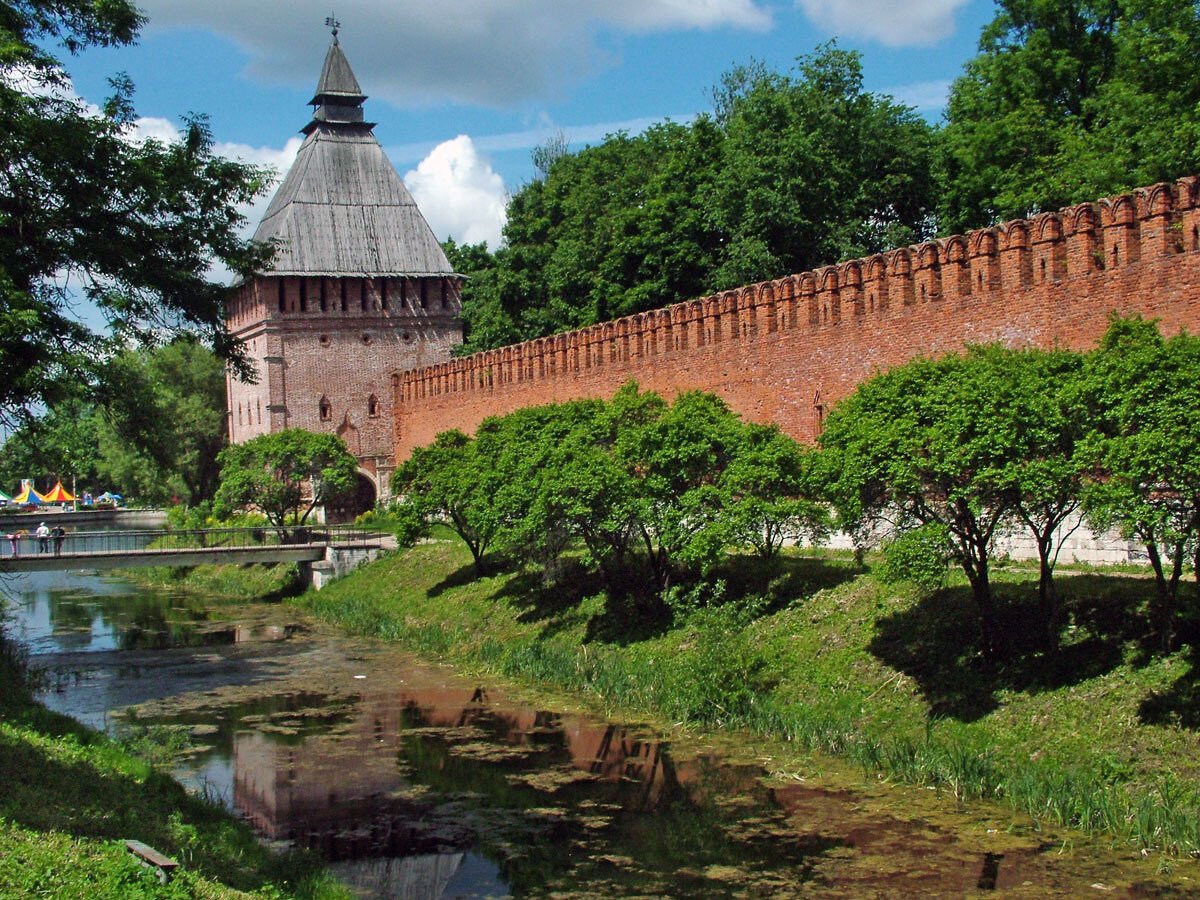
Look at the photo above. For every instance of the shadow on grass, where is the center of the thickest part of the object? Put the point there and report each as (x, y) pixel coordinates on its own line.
(783, 580)
(635, 615)
(936, 642)
(1179, 705)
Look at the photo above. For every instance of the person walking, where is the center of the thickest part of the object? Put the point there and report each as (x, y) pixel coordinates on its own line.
(14, 541)
(59, 534)
(43, 537)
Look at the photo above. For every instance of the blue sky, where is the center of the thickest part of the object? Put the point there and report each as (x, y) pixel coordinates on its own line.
(464, 89)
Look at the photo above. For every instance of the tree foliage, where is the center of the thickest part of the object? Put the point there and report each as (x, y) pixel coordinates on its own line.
(1143, 395)
(1069, 100)
(88, 213)
(796, 170)
(964, 442)
(285, 474)
(653, 492)
(152, 432)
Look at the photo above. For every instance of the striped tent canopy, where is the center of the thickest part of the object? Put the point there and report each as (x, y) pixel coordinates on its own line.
(28, 496)
(58, 494)
(5, 498)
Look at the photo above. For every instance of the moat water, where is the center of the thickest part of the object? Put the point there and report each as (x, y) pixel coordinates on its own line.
(415, 782)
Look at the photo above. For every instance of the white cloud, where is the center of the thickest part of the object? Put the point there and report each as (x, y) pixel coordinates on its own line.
(459, 193)
(577, 137)
(923, 96)
(892, 23)
(477, 51)
(278, 159)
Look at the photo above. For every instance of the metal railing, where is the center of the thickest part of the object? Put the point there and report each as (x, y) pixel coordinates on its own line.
(118, 542)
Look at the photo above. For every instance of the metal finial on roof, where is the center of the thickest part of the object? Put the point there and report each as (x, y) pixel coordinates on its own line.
(332, 23)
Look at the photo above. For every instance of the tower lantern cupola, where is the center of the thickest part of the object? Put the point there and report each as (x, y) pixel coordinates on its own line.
(339, 99)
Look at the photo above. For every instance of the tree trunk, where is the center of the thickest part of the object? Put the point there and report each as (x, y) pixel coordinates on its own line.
(1047, 595)
(981, 591)
(1163, 618)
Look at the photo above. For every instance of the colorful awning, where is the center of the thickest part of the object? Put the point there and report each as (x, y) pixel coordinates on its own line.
(58, 494)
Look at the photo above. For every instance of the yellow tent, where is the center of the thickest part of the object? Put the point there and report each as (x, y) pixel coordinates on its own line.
(28, 495)
(58, 494)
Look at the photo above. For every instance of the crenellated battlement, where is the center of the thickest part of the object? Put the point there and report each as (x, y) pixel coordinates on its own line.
(1020, 282)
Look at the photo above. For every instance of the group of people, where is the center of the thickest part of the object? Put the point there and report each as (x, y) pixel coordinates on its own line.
(44, 535)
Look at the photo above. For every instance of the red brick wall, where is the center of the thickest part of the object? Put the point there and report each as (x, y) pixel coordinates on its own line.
(784, 351)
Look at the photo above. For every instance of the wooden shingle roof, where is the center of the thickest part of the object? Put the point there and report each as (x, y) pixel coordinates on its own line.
(343, 210)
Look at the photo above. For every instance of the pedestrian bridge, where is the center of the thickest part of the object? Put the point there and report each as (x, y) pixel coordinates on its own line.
(130, 549)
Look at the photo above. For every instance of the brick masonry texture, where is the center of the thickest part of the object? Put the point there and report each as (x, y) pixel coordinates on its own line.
(325, 350)
(785, 351)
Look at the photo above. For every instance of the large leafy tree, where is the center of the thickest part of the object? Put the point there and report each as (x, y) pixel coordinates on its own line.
(793, 171)
(814, 169)
(452, 481)
(87, 213)
(164, 411)
(926, 443)
(1143, 392)
(1069, 100)
(286, 475)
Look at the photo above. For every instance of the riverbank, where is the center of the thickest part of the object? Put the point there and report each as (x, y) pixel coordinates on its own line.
(1100, 736)
(255, 582)
(72, 797)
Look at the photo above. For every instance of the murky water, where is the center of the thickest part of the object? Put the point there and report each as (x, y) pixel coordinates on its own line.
(415, 782)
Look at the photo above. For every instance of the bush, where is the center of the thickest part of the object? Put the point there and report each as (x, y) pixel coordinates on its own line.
(403, 521)
(920, 555)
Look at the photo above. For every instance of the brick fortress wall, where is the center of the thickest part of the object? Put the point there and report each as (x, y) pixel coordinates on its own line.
(337, 340)
(785, 351)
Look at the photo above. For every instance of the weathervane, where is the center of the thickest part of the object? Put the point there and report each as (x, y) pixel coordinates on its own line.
(332, 22)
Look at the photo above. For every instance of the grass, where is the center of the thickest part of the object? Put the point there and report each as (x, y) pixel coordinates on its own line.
(246, 582)
(1099, 736)
(71, 796)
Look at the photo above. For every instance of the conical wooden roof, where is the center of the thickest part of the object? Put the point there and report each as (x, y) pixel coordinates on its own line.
(343, 210)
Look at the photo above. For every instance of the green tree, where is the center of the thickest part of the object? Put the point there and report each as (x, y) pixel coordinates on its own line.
(924, 443)
(134, 226)
(770, 492)
(793, 171)
(165, 412)
(1069, 100)
(1042, 472)
(285, 474)
(1143, 392)
(450, 481)
(61, 445)
(814, 169)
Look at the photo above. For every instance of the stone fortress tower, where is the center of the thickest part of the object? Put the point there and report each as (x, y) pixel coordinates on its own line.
(359, 289)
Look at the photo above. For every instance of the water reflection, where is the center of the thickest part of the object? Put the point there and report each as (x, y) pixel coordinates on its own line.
(414, 783)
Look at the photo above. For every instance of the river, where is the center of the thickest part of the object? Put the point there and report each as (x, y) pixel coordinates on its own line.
(413, 781)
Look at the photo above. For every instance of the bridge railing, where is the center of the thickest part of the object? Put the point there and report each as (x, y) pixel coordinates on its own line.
(116, 542)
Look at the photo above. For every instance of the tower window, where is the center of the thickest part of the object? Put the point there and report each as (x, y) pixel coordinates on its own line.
(373, 406)
(383, 293)
(282, 296)
(325, 409)
(343, 287)
(303, 295)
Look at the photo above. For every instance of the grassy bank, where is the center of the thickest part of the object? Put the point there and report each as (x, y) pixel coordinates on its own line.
(71, 797)
(249, 582)
(1100, 735)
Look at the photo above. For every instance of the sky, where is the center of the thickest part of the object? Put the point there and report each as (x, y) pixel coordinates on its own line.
(463, 90)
